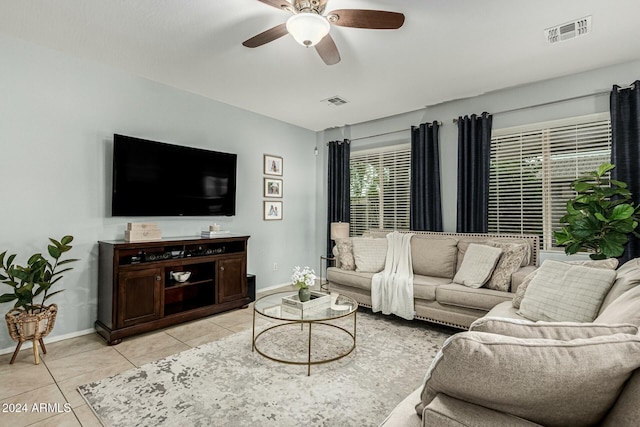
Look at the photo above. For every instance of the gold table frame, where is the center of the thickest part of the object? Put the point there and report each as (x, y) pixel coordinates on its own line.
(317, 318)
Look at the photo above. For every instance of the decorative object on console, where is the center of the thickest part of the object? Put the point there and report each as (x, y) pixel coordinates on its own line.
(142, 232)
(180, 276)
(600, 218)
(303, 279)
(29, 320)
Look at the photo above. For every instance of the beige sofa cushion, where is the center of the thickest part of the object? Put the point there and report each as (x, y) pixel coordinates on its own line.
(477, 265)
(609, 264)
(565, 292)
(626, 411)
(350, 278)
(369, 254)
(434, 256)
(625, 309)
(476, 298)
(445, 411)
(549, 330)
(628, 277)
(549, 382)
(424, 287)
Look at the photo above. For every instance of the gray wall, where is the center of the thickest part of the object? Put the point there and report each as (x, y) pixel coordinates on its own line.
(57, 119)
(576, 85)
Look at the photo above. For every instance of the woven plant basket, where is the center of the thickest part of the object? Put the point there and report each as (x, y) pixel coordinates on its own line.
(24, 326)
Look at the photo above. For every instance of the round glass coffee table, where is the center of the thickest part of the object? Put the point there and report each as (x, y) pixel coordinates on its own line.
(273, 307)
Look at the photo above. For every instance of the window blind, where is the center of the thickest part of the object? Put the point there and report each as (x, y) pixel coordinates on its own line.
(380, 186)
(533, 166)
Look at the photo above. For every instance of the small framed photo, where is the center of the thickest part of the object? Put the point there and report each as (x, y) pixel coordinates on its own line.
(272, 165)
(272, 187)
(272, 210)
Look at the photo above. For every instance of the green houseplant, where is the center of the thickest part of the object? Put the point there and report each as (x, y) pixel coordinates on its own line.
(30, 318)
(600, 218)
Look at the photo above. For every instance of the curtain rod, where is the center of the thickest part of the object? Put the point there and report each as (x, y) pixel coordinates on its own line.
(386, 133)
(573, 98)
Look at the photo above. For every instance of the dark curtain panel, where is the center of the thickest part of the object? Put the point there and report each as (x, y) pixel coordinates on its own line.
(625, 148)
(425, 208)
(474, 145)
(338, 185)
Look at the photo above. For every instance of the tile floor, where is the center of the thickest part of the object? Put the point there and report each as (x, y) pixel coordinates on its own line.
(88, 358)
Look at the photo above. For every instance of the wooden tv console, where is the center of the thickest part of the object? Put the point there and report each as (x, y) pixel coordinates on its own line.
(137, 293)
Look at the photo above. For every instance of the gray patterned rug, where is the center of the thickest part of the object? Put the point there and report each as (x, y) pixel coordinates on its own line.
(223, 383)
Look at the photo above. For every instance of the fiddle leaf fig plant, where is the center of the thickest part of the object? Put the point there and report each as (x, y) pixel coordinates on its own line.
(36, 278)
(600, 218)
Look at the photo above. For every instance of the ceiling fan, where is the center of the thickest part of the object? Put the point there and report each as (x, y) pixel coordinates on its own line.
(310, 27)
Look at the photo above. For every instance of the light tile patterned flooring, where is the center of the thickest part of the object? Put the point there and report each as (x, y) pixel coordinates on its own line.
(88, 358)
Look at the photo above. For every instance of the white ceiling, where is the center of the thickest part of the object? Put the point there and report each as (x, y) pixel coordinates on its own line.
(446, 50)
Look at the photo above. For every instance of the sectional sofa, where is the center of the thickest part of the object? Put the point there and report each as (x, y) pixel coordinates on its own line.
(510, 370)
(437, 258)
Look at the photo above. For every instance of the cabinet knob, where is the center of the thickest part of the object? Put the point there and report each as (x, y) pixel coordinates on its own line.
(158, 278)
(221, 268)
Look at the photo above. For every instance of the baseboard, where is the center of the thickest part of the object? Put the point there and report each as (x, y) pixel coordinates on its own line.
(270, 288)
(49, 340)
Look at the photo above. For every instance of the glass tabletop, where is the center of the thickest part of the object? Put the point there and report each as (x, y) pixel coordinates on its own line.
(274, 307)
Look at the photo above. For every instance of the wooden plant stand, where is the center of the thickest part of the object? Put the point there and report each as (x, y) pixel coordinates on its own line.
(34, 327)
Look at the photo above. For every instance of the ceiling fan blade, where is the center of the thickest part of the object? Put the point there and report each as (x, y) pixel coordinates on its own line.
(278, 4)
(360, 18)
(267, 36)
(328, 50)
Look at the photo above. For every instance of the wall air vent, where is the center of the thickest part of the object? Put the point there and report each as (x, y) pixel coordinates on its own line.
(335, 101)
(568, 31)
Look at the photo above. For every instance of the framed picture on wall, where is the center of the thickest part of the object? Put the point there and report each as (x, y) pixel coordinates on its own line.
(272, 210)
(272, 187)
(272, 165)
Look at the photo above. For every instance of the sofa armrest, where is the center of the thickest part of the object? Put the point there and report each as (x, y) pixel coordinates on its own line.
(445, 411)
(518, 276)
(405, 415)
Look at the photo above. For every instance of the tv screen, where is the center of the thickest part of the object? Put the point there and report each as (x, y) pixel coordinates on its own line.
(158, 179)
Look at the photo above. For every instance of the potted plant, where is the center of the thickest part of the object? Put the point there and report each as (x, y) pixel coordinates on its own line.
(600, 218)
(30, 318)
(303, 279)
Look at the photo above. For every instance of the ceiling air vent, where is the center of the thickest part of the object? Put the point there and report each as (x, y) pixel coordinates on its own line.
(335, 101)
(567, 31)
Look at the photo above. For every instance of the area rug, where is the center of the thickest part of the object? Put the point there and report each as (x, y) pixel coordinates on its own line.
(224, 383)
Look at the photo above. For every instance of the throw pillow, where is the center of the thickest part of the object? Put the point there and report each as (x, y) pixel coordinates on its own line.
(550, 382)
(345, 254)
(564, 292)
(509, 262)
(549, 330)
(625, 309)
(369, 254)
(433, 256)
(477, 265)
(609, 263)
(628, 277)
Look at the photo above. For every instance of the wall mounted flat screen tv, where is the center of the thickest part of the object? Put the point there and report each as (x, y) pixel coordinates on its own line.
(157, 179)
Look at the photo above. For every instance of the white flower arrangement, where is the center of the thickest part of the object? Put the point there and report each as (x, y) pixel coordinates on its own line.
(303, 278)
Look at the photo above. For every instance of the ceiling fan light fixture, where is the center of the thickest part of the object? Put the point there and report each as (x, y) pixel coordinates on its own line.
(308, 28)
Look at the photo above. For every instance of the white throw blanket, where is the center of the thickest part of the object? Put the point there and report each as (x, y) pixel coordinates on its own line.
(392, 288)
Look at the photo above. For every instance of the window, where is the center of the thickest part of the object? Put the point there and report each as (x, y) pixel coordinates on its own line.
(380, 189)
(532, 168)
